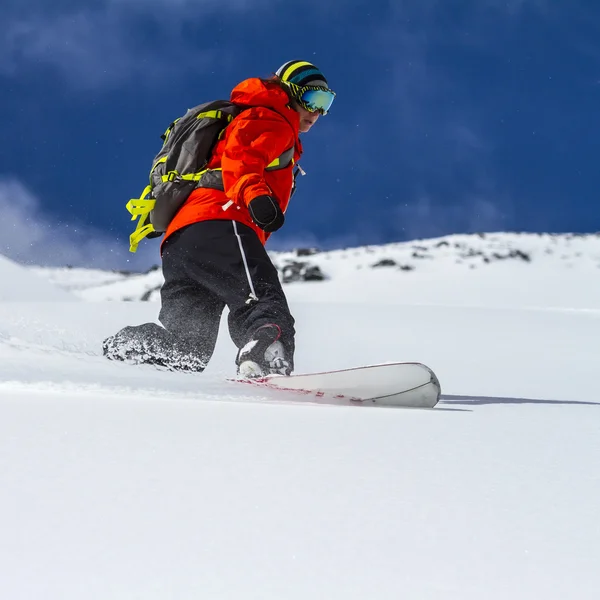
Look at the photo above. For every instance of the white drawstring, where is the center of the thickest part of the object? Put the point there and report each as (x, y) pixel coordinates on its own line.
(252, 297)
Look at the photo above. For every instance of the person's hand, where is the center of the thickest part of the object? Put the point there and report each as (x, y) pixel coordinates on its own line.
(266, 213)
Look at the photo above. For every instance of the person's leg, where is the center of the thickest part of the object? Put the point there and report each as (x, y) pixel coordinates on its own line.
(234, 267)
(213, 263)
(260, 320)
(190, 310)
(190, 314)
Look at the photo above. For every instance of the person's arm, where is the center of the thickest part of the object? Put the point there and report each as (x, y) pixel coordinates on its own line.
(258, 136)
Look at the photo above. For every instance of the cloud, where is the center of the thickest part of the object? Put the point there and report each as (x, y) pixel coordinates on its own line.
(443, 144)
(286, 242)
(421, 83)
(478, 211)
(95, 46)
(515, 8)
(205, 6)
(30, 237)
(73, 46)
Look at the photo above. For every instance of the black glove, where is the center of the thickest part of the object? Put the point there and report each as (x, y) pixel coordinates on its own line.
(265, 212)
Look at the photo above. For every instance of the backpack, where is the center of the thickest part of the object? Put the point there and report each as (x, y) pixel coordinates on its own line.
(178, 168)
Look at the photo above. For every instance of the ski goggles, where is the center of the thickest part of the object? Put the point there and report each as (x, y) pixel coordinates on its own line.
(313, 98)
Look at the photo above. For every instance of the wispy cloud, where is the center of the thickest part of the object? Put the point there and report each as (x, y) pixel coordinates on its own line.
(426, 216)
(517, 7)
(435, 121)
(98, 45)
(73, 46)
(286, 242)
(189, 6)
(29, 236)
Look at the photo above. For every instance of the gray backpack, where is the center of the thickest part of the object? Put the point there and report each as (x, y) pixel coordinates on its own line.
(180, 167)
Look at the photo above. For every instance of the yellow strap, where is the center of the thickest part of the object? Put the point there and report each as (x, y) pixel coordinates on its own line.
(160, 160)
(138, 235)
(140, 207)
(167, 133)
(171, 175)
(284, 160)
(213, 114)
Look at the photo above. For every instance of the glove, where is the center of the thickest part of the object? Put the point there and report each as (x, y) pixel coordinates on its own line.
(265, 212)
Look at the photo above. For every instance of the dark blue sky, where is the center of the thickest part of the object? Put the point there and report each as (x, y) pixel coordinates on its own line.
(451, 116)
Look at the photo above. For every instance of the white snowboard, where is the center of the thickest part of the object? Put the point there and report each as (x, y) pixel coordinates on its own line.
(410, 385)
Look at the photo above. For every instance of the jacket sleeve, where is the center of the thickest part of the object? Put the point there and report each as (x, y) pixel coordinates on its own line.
(255, 139)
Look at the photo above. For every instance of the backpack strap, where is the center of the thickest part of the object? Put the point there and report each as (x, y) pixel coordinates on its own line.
(283, 161)
(140, 207)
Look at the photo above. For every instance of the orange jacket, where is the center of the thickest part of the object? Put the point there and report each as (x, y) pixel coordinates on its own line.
(252, 141)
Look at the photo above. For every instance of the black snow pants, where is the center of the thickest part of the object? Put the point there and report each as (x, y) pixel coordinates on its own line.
(207, 266)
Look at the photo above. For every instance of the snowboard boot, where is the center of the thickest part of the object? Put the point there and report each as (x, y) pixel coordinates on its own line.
(263, 355)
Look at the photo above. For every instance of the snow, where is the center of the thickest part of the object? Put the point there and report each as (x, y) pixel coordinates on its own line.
(20, 285)
(131, 482)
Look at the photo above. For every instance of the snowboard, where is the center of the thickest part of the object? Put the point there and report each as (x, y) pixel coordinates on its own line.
(405, 384)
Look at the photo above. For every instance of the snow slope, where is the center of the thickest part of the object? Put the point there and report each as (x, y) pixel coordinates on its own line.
(24, 285)
(459, 265)
(130, 482)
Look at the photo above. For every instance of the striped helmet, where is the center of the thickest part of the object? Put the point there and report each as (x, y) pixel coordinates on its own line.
(301, 73)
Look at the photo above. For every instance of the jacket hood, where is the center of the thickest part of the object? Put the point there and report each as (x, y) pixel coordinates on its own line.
(256, 92)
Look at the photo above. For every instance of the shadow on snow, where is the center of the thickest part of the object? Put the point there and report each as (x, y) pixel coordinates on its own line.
(478, 400)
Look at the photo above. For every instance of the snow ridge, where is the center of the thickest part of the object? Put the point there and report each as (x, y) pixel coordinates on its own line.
(541, 253)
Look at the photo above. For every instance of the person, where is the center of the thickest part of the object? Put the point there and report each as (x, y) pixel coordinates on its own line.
(213, 253)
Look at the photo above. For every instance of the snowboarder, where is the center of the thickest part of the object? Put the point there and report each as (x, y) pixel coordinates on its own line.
(213, 251)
